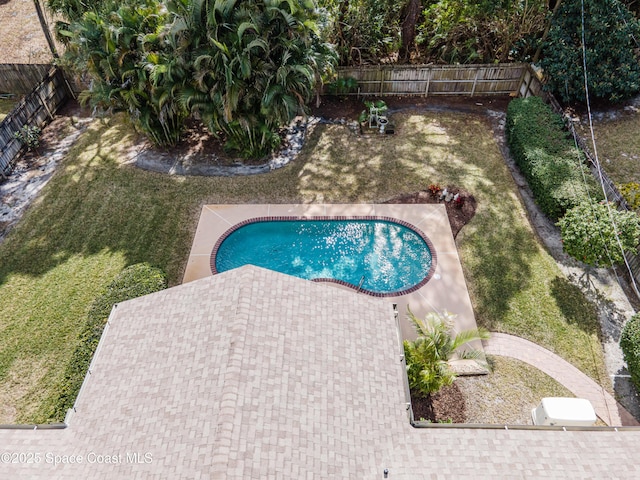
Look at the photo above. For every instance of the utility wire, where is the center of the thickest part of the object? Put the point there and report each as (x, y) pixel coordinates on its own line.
(595, 153)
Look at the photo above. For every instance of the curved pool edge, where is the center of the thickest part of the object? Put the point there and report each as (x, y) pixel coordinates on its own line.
(420, 233)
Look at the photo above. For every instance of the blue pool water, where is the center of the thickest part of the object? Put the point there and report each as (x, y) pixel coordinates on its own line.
(385, 256)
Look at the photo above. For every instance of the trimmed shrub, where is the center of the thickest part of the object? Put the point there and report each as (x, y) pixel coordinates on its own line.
(630, 344)
(547, 156)
(589, 235)
(134, 281)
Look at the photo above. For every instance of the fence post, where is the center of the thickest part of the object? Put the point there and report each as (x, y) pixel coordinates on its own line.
(426, 90)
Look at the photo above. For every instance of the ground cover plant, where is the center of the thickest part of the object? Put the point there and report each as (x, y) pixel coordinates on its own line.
(99, 214)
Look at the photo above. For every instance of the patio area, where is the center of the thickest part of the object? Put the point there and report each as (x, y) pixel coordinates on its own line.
(445, 291)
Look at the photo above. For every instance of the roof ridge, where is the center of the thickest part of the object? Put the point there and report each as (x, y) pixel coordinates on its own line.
(229, 395)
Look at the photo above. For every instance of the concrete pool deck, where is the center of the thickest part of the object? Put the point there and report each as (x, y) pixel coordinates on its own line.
(445, 291)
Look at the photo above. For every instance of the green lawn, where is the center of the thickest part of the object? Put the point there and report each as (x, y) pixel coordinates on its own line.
(618, 146)
(6, 105)
(98, 215)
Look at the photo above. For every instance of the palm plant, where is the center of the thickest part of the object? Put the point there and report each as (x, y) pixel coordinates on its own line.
(252, 66)
(129, 66)
(427, 357)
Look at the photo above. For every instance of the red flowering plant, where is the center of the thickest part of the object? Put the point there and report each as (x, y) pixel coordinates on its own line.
(435, 189)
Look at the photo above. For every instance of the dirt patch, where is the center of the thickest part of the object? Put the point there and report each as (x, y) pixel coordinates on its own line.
(32, 170)
(197, 146)
(22, 38)
(350, 107)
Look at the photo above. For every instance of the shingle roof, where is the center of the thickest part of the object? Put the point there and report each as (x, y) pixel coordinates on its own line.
(254, 374)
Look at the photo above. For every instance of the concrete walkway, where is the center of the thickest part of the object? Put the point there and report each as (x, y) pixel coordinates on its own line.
(581, 385)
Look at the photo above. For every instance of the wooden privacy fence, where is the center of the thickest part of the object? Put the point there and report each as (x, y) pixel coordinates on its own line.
(21, 78)
(37, 109)
(425, 80)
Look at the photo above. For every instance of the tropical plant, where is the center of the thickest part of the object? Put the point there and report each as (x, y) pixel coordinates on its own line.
(254, 66)
(610, 36)
(598, 234)
(73, 10)
(128, 65)
(342, 85)
(427, 357)
(374, 108)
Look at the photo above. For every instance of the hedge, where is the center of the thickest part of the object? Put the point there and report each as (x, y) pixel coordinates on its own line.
(547, 156)
(134, 281)
(630, 344)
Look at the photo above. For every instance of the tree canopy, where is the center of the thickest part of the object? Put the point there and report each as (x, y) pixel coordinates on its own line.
(246, 68)
(611, 35)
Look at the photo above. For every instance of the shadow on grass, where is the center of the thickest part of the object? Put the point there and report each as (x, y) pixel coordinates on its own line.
(500, 262)
(575, 307)
(92, 205)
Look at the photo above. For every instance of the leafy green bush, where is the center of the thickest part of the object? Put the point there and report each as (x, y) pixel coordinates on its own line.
(342, 86)
(630, 344)
(134, 281)
(631, 193)
(589, 235)
(29, 135)
(547, 157)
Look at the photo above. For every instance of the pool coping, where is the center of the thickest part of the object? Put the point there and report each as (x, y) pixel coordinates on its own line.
(445, 291)
(420, 233)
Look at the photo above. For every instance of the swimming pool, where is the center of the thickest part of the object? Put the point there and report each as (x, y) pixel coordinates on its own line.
(376, 255)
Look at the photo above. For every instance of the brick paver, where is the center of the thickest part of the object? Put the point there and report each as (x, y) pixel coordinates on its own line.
(581, 385)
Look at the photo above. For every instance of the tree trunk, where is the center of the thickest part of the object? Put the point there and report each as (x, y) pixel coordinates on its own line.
(45, 28)
(411, 14)
(556, 6)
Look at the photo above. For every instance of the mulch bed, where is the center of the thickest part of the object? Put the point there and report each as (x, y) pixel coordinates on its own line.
(446, 406)
(459, 215)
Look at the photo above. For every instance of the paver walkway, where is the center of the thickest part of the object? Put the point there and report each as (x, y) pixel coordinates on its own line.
(581, 385)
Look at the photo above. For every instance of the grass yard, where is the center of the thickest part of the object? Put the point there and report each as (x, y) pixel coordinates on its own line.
(508, 394)
(6, 105)
(618, 146)
(98, 215)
